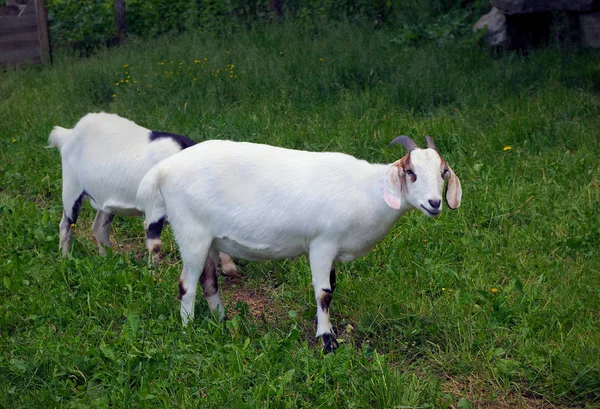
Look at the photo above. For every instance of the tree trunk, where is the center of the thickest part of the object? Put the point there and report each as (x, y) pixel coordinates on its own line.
(120, 20)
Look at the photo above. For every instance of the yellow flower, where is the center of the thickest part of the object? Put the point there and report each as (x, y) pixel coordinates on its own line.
(443, 289)
(494, 290)
(507, 148)
(125, 65)
(14, 140)
(227, 52)
(72, 224)
(425, 240)
(114, 95)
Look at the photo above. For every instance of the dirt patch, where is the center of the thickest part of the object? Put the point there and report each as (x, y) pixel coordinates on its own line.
(259, 301)
(483, 395)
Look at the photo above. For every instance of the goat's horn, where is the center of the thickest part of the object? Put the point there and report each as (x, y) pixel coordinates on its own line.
(430, 143)
(408, 143)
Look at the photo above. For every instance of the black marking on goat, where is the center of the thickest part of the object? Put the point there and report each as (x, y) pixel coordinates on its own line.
(181, 140)
(77, 207)
(330, 344)
(332, 278)
(325, 300)
(109, 220)
(182, 290)
(155, 229)
(156, 249)
(208, 279)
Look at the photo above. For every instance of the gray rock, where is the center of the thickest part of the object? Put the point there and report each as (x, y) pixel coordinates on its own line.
(536, 6)
(495, 22)
(589, 29)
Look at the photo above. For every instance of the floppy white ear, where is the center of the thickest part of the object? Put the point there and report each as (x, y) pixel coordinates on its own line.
(392, 186)
(453, 189)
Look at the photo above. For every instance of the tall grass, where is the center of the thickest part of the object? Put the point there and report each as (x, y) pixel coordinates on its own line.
(495, 303)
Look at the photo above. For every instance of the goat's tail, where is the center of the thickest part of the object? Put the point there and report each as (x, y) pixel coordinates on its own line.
(58, 137)
(149, 199)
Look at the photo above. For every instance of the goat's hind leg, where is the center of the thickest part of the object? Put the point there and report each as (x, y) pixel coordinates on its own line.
(199, 264)
(101, 230)
(72, 199)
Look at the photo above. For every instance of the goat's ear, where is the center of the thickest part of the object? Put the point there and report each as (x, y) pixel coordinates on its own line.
(453, 189)
(392, 186)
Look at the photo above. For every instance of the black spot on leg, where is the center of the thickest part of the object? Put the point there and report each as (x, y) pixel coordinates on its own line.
(155, 229)
(182, 141)
(208, 279)
(332, 278)
(325, 299)
(182, 290)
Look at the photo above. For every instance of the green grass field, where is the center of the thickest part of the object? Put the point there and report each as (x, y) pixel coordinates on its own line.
(494, 305)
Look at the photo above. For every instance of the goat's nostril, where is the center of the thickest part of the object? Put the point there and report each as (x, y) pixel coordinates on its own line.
(435, 203)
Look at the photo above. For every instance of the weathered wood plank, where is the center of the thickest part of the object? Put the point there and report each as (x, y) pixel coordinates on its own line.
(6, 46)
(20, 55)
(19, 36)
(12, 24)
(44, 37)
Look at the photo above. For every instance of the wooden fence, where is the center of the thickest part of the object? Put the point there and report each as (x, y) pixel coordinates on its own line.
(24, 38)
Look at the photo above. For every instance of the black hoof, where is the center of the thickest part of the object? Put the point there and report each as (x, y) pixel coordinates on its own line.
(330, 344)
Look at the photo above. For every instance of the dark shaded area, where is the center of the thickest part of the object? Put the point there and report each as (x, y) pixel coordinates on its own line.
(181, 140)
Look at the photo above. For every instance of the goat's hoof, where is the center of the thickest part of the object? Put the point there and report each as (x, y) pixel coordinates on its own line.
(330, 344)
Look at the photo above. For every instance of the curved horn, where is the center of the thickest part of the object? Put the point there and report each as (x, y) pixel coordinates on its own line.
(408, 143)
(430, 143)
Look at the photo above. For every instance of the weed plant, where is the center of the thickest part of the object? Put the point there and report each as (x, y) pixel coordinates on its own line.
(493, 305)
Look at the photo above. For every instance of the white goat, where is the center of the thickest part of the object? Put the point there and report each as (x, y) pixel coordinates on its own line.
(260, 202)
(104, 158)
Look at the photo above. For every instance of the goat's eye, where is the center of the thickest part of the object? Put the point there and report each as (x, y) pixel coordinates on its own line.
(412, 175)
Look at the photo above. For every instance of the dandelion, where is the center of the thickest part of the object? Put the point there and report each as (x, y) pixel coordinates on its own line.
(125, 65)
(280, 52)
(443, 289)
(227, 52)
(507, 148)
(14, 140)
(494, 290)
(425, 240)
(114, 95)
(72, 224)
(321, 59)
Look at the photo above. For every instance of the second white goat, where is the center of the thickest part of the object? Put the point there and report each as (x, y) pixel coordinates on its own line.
(260, 202)
(104, 158)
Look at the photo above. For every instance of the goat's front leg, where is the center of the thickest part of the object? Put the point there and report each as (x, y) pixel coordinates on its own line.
(323, 280)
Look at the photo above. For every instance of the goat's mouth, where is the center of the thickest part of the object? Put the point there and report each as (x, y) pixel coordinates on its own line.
(431, 212)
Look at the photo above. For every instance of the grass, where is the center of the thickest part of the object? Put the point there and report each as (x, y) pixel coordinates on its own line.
(493, 305)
